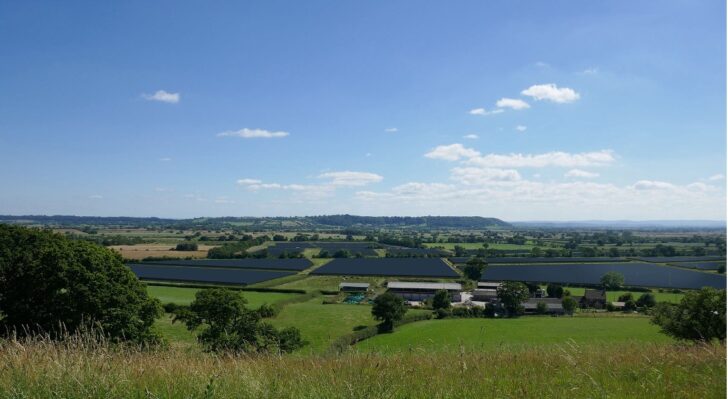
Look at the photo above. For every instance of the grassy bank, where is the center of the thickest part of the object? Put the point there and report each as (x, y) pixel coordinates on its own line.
(42, 369)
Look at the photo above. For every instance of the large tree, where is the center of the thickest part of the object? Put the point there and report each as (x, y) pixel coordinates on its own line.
(49, 283)
(512, 294)
(612, 281)
(474, 268)
(700, 316)
(388, 308)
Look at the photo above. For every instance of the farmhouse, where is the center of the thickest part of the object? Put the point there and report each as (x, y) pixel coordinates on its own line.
(553, 305)
(594, 299)
(353, 287)
(416, 291)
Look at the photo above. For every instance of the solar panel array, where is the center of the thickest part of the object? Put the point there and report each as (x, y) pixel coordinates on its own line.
(666, 259)
(413, 267)
(699, 265)
(635, 274)
(297, 264)
(364, 248)
(523, 259)
(204, 274)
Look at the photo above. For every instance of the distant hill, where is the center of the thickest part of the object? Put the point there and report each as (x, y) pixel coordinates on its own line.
(626, 224)
(252, 223)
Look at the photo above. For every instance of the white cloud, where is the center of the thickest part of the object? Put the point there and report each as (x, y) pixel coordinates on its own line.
(542, 64)
(521, 128)
(581, 174)
(252, 133)
(245, 182)
(483, 111)
(551, 92)
(165, 159)
(451, 152)
(349, 178)
(478, 176)
(555, 158)
(163, 96)
(513, 103)
(471, 136)
(716, 177)
(653, 185)
(391, 130)
(96, 196)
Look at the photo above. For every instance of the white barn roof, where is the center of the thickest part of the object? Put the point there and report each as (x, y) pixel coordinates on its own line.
(404, 285)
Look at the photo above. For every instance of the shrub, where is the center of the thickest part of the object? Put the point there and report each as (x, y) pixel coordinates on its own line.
(441, 300)
(630, 305)
(554, 290)
(569, 304)
(541, 308)
(646, 301)
(267, 311)
(625, 297)
(48, 281)
(700, 316)
(186, 246)
(474, 268)
(442, 313)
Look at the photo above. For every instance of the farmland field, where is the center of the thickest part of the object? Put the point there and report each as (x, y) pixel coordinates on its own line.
(416, 267)
(185, 295)
(488, 334)
(141, 251)
(297, 264)
(204, 274)
(635, 274)
(613, 296)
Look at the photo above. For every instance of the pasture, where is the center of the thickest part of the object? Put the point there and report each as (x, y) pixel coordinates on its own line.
(296, 264)
(185, 295)
(455, 335)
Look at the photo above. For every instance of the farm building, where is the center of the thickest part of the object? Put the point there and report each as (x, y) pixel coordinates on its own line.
(594, 299)
(618, 305)
(353, 287)
(489, 285)
(485, 295)
(553, 305)
(416, 291)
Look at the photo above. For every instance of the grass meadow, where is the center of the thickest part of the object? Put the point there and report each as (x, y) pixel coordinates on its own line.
(184, 295)
(79, 369)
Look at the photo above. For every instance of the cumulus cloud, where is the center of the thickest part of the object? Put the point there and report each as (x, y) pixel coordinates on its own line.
(521, 128)
(349, 178)
(471, 136)
(245, 182)
(581, 174)
(478, 176)
(252, 133)
(551, 92)
(163, 96)
(483, 111)
(653, 185)
(391, 130)
(549, 159)
(452, 152)
(513, 103)
(716, 177)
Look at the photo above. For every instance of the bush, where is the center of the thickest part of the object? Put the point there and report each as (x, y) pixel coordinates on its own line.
(171, 307)
(554, 290)
(625, 297)
(47, 280)
(441, 300)
(442, 313)
(466, 312)
(630, 305)
(186, 246)
(541, 308)
(646, 301)
(569, 304)
(700, 316)
(267, 311)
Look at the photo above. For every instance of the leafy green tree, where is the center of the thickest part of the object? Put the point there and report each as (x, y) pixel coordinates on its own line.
(700, 316)
(630, 305)
(541, 308)
(554, 290)
(441, 300)
(47, 280)
(227, 325)
(627, 296)
(569, 304)
(612, 281)
(186, 246)
(646, 300)
(474, 268)
(388, 308)
(512, 294)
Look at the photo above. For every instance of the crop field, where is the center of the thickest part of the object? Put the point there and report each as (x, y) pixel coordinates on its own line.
(141, 251)
(525, 260)
(699, 265)
(414, 267)
(204, 274)
(297, 264)
(456, 335)
(185, 295)
(364, 248)
(635, 274)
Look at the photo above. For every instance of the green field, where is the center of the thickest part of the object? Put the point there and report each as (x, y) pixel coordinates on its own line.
(489, 334)
(613, 296)
(183, 295)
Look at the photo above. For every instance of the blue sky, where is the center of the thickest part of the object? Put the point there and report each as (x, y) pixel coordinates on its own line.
(535, 110)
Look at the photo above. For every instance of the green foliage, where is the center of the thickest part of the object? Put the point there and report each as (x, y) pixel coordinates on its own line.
(541, 308)
(554, 290)
(227, 325)
(646, 300)
(48, 283)
(512, 294)
(441, 300)
(388, 308)
(569, 304)
(186, 246)
(700, 316)
(612, 281)
(627, 296)
(630, 305)
(474, 268)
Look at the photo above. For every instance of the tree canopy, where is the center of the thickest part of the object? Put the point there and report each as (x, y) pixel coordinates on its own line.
(388, 308)
(700, 316)
(612, 281)
(49, 283)
(474, 268)
(512, 294)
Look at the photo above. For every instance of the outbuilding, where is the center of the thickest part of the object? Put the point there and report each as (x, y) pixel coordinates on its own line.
(417, 291)
(594, 299)
(553, 305)
(353, 287)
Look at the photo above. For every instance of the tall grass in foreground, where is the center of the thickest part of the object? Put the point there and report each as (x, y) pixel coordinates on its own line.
(79, 368)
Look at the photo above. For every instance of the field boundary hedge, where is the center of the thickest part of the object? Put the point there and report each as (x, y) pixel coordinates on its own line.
(344, 342)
